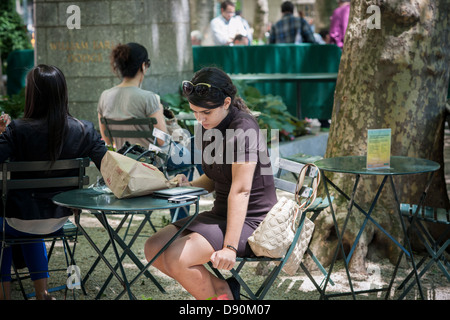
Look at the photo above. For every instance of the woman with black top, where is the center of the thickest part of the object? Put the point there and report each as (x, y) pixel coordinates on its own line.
(237, 168)
(47, 132)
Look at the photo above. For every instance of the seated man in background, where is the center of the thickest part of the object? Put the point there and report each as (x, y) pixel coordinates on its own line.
(226, 26)
(290, 29)
(240, 40)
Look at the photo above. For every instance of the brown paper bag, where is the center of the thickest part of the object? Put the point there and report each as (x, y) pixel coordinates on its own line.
(129, 178)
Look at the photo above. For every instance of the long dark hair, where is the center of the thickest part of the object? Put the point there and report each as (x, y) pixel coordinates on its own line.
(46, 98)
(223, 87)
(127, 59)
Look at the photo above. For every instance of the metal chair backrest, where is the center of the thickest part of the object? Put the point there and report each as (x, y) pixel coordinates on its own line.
(310, 181)
(113, 129)
(56, 180)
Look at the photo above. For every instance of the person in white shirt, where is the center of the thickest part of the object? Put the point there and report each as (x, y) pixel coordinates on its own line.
(226, 26)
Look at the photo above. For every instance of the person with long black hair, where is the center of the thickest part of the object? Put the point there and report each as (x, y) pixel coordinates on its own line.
(237, 167)
(47, 132)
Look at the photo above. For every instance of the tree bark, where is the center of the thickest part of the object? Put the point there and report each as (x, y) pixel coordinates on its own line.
(201, 13)
(393, 77)
(261, 19)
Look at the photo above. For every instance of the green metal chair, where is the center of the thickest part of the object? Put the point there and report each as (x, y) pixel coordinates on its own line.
(435, 246)
(284, 166)
(62, 175)
(114, 130)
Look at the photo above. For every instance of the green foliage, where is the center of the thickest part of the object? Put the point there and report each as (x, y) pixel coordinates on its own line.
(7, 5)
(13, 33)
(271, 110)
(13, 105)
(176, 102)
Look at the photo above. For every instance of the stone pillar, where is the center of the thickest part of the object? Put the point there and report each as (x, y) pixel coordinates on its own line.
(162, 26)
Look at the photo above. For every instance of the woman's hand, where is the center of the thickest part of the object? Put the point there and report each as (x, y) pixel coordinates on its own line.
(181, 180)
(5, 119)
(223, 259)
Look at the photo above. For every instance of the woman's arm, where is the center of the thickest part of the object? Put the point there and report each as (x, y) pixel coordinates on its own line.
(160, 123)
(203, 182)
(5, 120)
(102, 128)
(242, 179)
(6, 141)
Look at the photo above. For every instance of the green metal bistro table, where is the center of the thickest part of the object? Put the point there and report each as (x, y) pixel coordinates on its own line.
(356, 165)
(298, 78)
(103, 204)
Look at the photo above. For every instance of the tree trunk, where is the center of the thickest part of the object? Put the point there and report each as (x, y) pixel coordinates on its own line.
(201, 13)
(392, 77)
(261, 19)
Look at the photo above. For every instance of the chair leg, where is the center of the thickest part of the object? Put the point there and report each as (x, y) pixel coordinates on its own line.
(239, 279)
(216, 272)
(19, 280)
(128, 227)
(243, 285)
(435, 253)
(264, 287)
(71, 254)
(131, 220)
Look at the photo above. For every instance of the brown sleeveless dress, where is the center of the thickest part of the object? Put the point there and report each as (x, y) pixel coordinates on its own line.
(234, 140)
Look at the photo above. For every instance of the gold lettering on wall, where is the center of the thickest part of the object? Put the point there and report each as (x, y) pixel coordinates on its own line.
(84, 57)
(83, 51)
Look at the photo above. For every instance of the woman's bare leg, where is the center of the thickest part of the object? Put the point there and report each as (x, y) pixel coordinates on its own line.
(40, 288)
(5, 290)
(184, 261)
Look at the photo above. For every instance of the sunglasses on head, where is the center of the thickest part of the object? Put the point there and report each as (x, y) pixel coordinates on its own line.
(200, 89)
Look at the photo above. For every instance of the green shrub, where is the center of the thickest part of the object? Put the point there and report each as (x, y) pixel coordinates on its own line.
(13, 32)
(13, 105)
(271, 111)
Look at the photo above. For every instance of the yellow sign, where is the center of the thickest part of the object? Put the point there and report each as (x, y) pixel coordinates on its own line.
(378, 148)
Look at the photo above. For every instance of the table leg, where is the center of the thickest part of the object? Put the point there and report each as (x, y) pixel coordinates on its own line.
(127, 251)
(368, 215)
(99, 253)
(405, 233)
(116, 253)
(340, 244)
(105, 248)
(144, 268)
(129, 224)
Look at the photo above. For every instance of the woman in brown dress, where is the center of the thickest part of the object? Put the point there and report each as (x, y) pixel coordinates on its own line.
(237, 168)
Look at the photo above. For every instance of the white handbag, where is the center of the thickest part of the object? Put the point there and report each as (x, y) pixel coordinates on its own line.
(276, 232)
